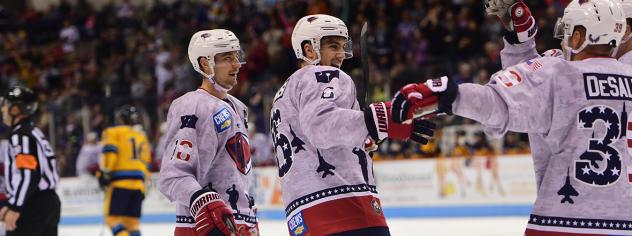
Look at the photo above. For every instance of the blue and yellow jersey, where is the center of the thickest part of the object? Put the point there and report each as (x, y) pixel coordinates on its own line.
(126, 156)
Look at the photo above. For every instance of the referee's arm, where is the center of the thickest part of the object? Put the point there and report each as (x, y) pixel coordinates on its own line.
(23, 182)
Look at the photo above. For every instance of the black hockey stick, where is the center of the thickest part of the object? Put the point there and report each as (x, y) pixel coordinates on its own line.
(361, 91)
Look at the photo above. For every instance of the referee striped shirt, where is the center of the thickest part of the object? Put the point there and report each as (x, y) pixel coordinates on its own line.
(30, 165)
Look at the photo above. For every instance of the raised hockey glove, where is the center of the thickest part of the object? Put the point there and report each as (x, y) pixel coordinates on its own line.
(515, 15)
(522, 26)
(378, 121)
(424, 100)
(211, 214)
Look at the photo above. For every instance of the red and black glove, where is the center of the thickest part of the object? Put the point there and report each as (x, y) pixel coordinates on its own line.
(211, 214)
(378, 121)
(522, 26)
(424, 100)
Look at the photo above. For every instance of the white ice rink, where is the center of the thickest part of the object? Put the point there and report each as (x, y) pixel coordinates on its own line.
(488, 226)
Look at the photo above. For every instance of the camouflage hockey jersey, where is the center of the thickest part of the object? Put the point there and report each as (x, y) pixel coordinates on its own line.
(513, 54)
(579, 109)
(626, 58)
(208, 148)
(326, 176)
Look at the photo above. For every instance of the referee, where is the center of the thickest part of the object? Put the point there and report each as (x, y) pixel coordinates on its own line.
(33, 207)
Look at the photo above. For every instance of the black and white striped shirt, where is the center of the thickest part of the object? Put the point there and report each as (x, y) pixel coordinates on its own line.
(30, 165)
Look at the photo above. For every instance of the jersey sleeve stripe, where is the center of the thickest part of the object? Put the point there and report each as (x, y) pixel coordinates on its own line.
(108, 148)
(24, 187)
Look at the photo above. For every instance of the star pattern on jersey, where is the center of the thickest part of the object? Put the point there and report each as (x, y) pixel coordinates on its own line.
(615, 171)
(344, 189)
(580, 223)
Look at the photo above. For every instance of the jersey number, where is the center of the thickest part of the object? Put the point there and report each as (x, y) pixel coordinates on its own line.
(608, 170)
(136, 152)
(282, 145)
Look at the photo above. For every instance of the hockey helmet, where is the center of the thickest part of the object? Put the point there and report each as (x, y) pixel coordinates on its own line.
(603, 20)
(313, 28)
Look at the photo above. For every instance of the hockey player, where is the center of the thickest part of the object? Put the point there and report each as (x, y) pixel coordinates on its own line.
(319, 134)
(519, 36)
(206, 165)
(578, 108)
(624, 51)
(33, 207)
(123, 171)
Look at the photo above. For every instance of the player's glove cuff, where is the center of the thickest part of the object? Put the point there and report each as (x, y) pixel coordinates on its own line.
(376, 118)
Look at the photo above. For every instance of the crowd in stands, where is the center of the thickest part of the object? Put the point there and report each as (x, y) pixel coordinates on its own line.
(85, 61)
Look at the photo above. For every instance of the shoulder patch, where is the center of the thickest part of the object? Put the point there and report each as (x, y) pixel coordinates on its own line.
(188, 121)
(327, 76)
(297, 225)
(184, 149)
(328, 93)
(532, 65)
(508, 77)
(222, 120)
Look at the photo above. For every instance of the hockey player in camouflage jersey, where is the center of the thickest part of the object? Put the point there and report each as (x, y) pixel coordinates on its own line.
(319, 133)
(577, 105)
(206, 163)
(516, 17)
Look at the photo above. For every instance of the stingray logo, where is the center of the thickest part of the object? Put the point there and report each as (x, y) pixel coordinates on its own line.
(594, 40)
(205, 35)
(312, 18)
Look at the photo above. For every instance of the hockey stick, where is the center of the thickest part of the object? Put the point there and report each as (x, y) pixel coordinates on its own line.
(361, 93)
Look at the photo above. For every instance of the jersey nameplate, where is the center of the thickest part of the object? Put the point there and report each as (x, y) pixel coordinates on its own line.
(222, 120)
(607, 86)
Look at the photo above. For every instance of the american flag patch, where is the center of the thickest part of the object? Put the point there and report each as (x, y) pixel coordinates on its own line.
(533, 65)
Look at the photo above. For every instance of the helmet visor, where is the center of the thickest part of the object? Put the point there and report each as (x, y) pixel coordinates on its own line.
(228, 58)
(348, 49)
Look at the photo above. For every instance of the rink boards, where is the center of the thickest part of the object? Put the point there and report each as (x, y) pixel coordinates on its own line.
(449, 187)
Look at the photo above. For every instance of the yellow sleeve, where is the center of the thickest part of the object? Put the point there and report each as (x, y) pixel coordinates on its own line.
(109, 151)
(146, 155)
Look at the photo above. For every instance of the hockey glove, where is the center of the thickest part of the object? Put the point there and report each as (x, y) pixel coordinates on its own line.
(424, 100)
(378, 121)
(104, 178)
(522, 26)
(515, 15)
(211, 214)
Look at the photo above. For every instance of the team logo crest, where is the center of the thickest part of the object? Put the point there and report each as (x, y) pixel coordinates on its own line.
(508, 78)
(239, 150)
(376, 206)
(222, 120)
(183, 149)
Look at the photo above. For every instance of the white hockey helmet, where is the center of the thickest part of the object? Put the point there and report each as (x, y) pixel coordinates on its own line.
(208, 43)
(627, 8)
(603, 19)
(313, 28)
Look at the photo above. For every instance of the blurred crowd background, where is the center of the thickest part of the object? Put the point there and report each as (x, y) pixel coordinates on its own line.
(85, 60)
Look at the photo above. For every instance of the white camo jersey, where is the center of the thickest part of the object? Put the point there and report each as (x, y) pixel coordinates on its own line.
(580, 111)
(318, 132)
(207, 148)
(626, 58)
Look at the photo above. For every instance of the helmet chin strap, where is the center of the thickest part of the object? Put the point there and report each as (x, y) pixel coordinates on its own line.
(219, 87)
(216, 85)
